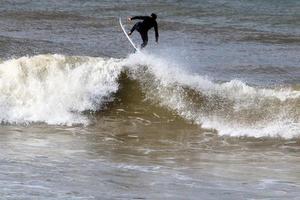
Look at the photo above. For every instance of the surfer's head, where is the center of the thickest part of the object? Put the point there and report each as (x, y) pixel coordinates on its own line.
(153, 15)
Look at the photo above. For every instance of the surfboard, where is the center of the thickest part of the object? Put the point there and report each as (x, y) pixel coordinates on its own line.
(131, 42)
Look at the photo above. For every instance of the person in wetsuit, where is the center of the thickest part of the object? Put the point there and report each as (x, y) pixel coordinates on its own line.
(144, 26)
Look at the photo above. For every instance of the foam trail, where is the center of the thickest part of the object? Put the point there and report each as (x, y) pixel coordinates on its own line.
(232, 108)
(53, 88)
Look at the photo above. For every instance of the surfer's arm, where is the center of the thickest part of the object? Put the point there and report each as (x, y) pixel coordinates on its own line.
(156, 32)
(139, 17)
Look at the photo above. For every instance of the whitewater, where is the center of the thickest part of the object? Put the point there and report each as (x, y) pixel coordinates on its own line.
(67, 90)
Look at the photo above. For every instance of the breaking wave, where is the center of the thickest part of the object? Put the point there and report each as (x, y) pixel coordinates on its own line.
(54, 89)
(57, 89)
(232, 108)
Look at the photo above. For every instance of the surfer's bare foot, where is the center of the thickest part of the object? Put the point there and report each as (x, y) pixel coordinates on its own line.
(129, 33)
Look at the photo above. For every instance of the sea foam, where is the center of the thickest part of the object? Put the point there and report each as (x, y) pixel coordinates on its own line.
(232, 108)
(57, 89)
(54, 88)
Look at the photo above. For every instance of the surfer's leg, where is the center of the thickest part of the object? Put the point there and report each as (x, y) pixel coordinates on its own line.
(135, 27)
(131, 31)
(144, 36)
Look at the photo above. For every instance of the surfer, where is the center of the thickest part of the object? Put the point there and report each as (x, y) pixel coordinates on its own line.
(144, 26)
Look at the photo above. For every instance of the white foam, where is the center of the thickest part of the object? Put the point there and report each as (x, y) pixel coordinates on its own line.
(243, 111)
(53, 88)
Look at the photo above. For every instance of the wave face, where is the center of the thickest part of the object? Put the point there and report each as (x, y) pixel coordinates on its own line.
(232, 108)
(57, 89)
(54, 89)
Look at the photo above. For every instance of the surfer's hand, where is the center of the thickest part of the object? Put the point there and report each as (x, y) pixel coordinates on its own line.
(129, 18)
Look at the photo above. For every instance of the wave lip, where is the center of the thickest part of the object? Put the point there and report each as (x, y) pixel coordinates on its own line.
(54, 89)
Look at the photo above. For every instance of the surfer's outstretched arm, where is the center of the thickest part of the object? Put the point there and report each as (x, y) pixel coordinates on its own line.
(138, 17)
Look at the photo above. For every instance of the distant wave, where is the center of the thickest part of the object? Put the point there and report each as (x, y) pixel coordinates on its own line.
(57, 89)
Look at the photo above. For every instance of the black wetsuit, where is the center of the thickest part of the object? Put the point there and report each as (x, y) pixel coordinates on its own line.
(144, 26)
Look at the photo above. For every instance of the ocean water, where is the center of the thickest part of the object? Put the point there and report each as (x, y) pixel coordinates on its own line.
(210, 112)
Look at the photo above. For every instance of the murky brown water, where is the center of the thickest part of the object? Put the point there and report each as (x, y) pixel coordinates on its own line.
(134, 158)
(211, 112)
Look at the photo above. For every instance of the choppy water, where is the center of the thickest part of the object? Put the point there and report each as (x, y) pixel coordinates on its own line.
(211, 112)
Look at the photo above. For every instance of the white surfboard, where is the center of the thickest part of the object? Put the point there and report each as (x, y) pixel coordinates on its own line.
(131, 42)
